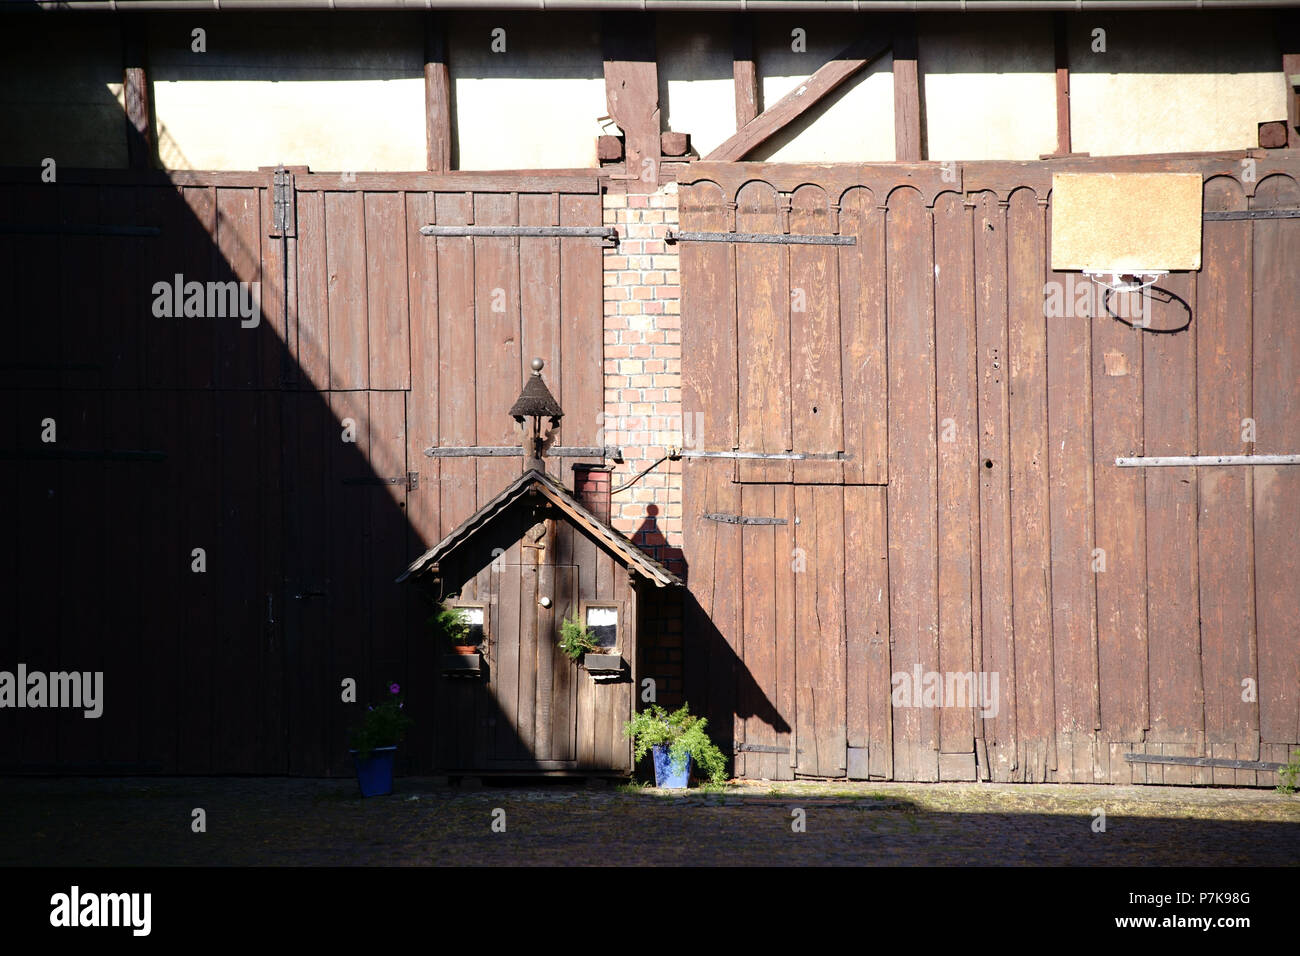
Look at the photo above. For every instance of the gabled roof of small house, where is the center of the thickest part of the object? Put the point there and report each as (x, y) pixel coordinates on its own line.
(578, 513)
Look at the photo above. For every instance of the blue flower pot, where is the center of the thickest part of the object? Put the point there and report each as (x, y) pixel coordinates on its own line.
(375, 773)
(664, 776)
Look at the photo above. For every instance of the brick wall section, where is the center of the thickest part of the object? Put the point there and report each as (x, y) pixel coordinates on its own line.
(643, 407)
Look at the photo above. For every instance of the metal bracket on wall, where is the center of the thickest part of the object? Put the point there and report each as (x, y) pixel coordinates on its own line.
(1225, 762)
(771, 455)
(741, 748)
(1251, 214)
(282, 218)
(608, 233)
(514, 451)
(774, 238)
(740, 519)
(1176, 461)
(411, 480)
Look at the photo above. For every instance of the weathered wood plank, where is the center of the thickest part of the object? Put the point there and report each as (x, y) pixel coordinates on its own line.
(539, 302)
(1224, 522)
(1027, 350)
(816, 382)
(763, 337)
(1070, 489)
(907, 94)
(785, 569)
(958, 469)
(237, 245)
(1169, 427)
(709, 384)
(998, 649)
(422, 399)
(744, 70)
(437, 95)
(581, 383)
(497, 347)
(387, 235)
(758, 583)
(348, 327)
(457, 407)
(632, 93)
(913, 532)
(862, 338)
(1276, 506)
(312, 347)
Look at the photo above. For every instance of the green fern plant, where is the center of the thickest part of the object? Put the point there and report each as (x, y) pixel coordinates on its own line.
(576, 638)
(684, 735)
(449, 624)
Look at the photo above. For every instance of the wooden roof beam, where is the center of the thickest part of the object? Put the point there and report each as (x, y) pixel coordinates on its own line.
(632, 94)
(437, 95)
(829, 77)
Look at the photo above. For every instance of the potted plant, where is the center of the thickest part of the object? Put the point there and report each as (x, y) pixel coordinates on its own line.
(677, 741)
(450, 624)
(374, 743)
(576, 638)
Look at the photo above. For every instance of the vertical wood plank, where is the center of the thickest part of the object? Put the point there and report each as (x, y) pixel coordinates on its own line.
(1073, 584)
(539, 304)
(862, 338)
(1224, 522)
(1031, 532)
(816, 383)
(238, 245)
(913, 532)
(758, 624)
(1276, 402)
(581, 385)
(457, 415)
(422, 399)
(1169, 428)
(958, 471)
(907, 94)
(785, 638)
(345, 247)
(386, 290)
(313, 341)
(497, 357)
(763, 340)
(997, 619)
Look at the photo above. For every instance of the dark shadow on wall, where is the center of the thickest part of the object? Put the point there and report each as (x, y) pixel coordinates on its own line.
(190, 514)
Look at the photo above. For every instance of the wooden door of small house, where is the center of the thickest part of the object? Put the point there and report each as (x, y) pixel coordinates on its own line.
(540, 710)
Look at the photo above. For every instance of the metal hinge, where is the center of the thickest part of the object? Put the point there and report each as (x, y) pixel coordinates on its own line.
(773, 238)
(1224, 762)
(741, 519)
(742, 747)
(514, 451)
(282, 218)
(1251, 214)
(770, 455)
(608, 233)
(411, 479)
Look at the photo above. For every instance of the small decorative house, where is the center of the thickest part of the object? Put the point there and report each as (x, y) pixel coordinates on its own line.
(527, 559)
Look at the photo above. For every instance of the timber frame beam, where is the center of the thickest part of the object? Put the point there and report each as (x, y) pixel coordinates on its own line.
(829, 77)
(632, 95)
(437, 95)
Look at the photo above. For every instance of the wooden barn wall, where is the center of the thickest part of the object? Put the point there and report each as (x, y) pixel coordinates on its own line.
(182, 433)
(961, 533)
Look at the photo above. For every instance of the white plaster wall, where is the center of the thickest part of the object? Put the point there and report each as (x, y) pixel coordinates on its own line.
(988, 86)
(696, 88)
(854, 124)
(537, 104)
(1197, 82)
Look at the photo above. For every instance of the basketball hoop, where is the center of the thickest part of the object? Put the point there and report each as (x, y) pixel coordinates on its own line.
(1124, 281)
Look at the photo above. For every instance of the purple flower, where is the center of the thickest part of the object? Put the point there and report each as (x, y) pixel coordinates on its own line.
(394, 688)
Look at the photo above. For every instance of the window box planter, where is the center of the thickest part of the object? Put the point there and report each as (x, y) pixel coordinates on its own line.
(468, 664)
(603, 664)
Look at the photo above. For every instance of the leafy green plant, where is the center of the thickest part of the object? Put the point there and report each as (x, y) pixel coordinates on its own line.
(683, 733)
(576, 638)
(1289, 774)
(384, 724)
(449, 624)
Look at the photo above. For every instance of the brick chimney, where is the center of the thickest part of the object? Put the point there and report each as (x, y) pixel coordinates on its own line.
(591, 486)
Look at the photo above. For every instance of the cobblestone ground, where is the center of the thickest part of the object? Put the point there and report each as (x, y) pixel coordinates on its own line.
(81, 822)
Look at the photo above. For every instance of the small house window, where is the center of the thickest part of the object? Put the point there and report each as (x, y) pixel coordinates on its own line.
(472, 614)
(602, 621)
